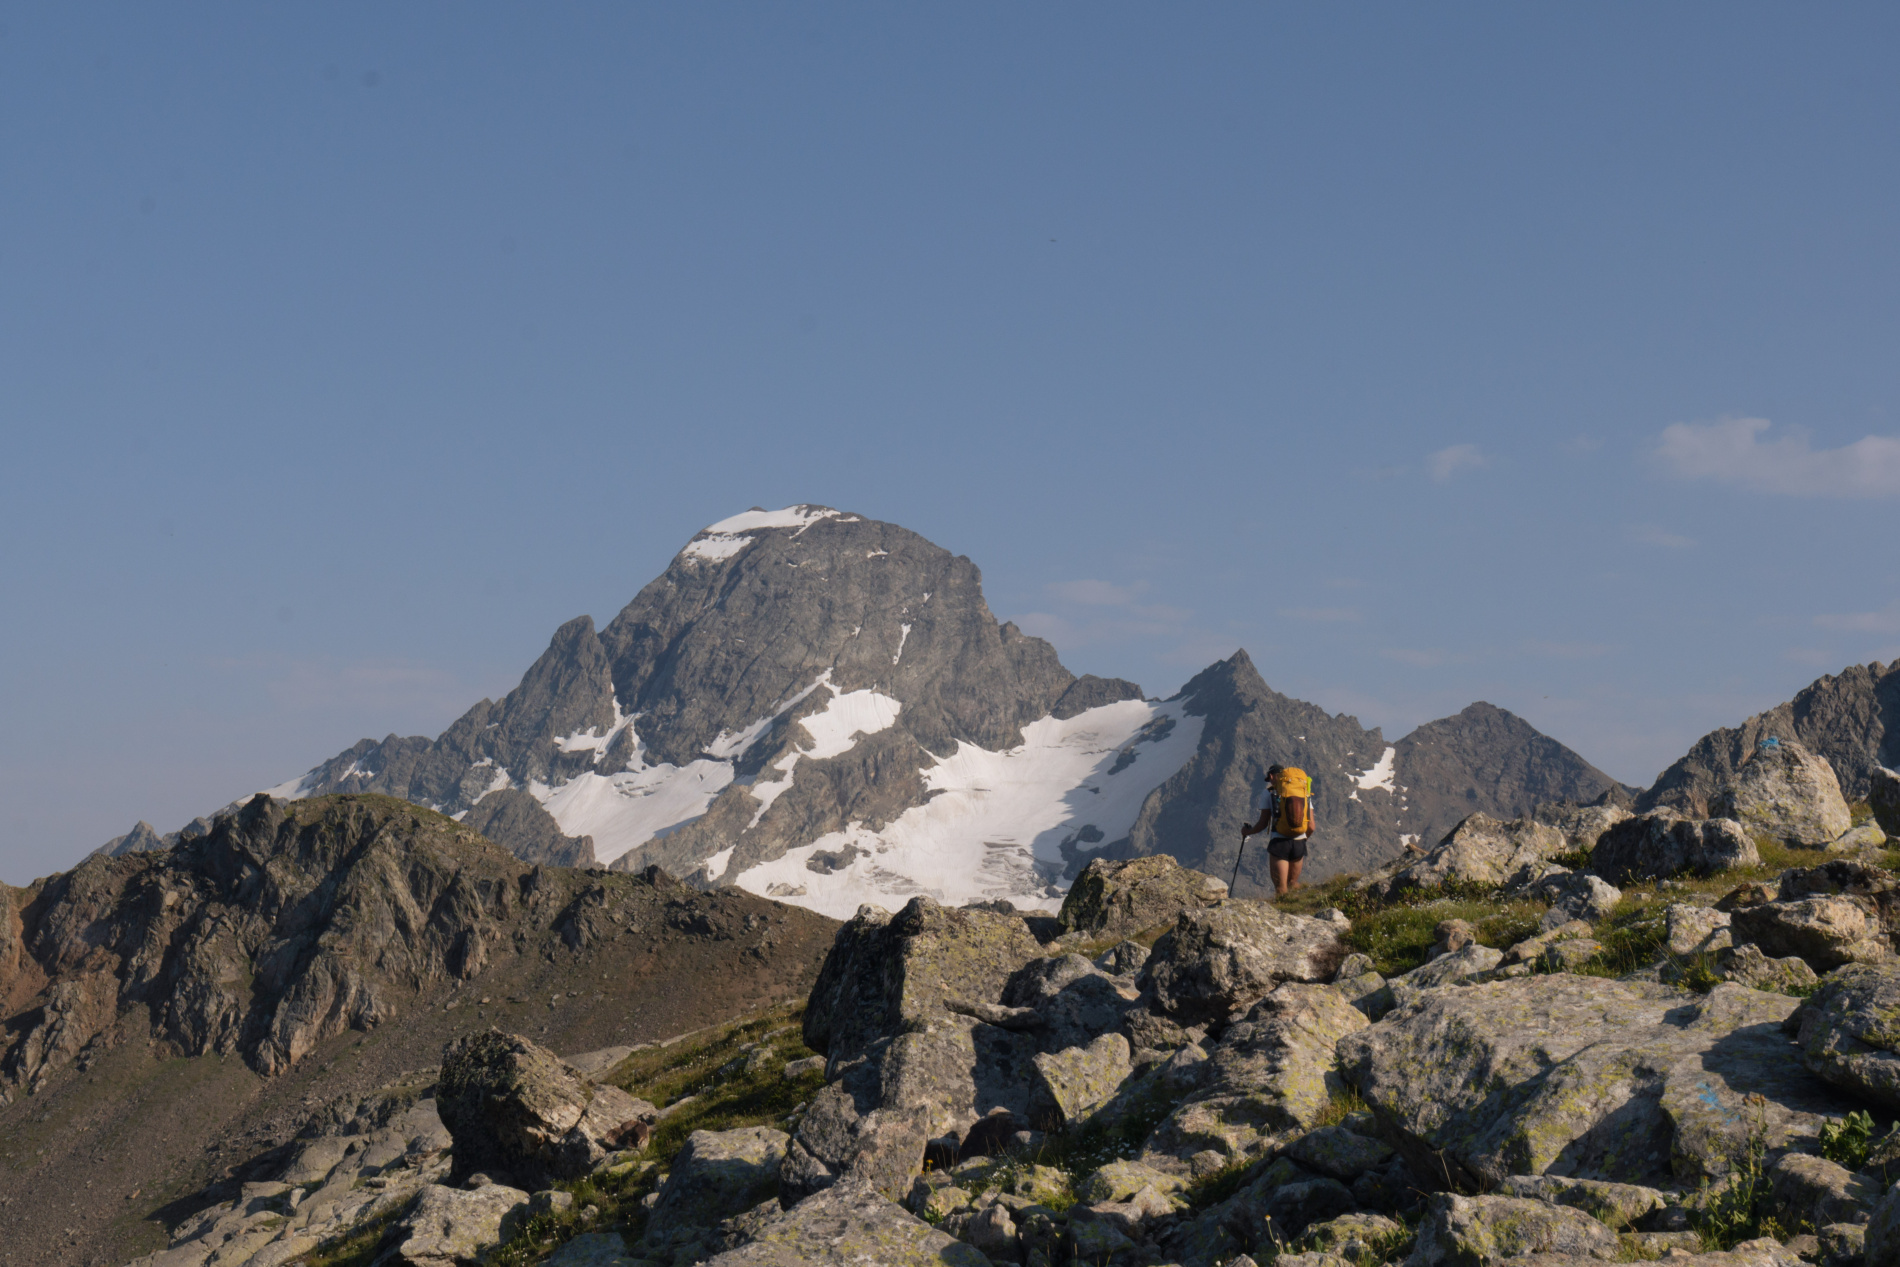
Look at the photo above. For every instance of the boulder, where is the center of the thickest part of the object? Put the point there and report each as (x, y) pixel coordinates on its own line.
(1463, 965)
(1216, 963)
(1694, 930)
(1531, 949)
(1120, 1180)
(1121, 899)
(1662, 843)
(1481, 850)
(512, 1106)
(1363, 1240)
(449, 1226)
(1123, 959)
(716, 1175)
(1859, 839)
(1849, 1031)
(1817, 1191)
(1338, 1153)
(1582, 825)
(1577, 894)
(1747, 965)
(1075, 1082)
(1883, 1231)
(1621, 1080)
(887, 974)
(855, 1127)
(1825, 931)
(1884, 799)
(1757, 1253)
(1069, 1001)
(1787, 793)
(1294, 1207)
(1842, 1244)
(1568, 955)
(848, 1225)
(1612, 1204)
(593, 1249)
(1476, 1231)
(1271, 1073)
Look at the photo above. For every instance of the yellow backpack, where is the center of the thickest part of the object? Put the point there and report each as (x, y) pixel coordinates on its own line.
(1293, 793)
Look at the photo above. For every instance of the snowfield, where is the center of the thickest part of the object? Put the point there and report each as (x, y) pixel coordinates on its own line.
(997, 822)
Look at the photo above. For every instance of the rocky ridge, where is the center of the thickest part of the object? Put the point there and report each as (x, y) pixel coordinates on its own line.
(169, 1013)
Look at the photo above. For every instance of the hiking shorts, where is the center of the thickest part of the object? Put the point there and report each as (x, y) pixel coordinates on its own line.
(1286, 848)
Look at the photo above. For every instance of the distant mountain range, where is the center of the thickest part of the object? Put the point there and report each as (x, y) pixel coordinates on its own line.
(821, 708)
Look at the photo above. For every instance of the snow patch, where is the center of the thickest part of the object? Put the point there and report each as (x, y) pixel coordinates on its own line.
(997, 821)
(790, 517)
(903, 637)
(624, 810)
(833, 733)
(1380, 775)
(716, 865)
(294, 789)
(715, 548)
(735, 743)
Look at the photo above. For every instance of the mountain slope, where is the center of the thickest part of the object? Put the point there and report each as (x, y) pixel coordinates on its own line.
(1368, 796)
(1852, 719)
(168, 1012)
(822, 708)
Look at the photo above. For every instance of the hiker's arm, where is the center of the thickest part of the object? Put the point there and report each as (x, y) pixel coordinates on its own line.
(1266, 816)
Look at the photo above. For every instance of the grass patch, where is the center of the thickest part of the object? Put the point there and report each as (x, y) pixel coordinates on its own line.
(1744, 1207)
(1212, 1189)
(1342, 1105)
(356, 1249)
(735, 1076)
(730, 1084)
(1399, 931)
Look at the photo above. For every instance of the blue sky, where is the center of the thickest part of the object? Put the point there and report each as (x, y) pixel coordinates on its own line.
(1537, 354)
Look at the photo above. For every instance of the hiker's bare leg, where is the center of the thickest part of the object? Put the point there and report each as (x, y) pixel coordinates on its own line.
(1293, 874)
(1280, 866)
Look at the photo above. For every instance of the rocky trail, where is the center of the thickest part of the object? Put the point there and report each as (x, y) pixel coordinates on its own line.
(1581, 1036)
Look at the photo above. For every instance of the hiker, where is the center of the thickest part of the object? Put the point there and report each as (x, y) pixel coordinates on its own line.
(1285, 803)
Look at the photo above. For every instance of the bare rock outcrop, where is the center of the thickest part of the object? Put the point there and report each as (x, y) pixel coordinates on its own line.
(1883, 797)
(515, 1108)
(1787, 793)
(1849, 1031)
(1218, 962)
(1662, 843)
(886, 973)
(1121, 899)
(1604, 1079)
(1481, 850)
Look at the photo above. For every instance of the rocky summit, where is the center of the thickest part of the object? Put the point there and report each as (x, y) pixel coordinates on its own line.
(820, 708)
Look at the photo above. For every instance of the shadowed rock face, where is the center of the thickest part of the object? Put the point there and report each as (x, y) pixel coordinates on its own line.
(518, 822)
(1852, 719)
(1482, 760)
(284, 926)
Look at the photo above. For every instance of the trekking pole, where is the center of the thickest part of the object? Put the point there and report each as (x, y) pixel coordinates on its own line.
(1237, 856)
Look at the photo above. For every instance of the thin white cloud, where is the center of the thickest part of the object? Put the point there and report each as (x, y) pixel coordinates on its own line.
(1886, 620)
(1323, 614)
(1447, 462)
(1738, 451)
(1651, 535)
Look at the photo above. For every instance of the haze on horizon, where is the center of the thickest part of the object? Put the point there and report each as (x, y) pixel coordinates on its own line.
(1537, 356)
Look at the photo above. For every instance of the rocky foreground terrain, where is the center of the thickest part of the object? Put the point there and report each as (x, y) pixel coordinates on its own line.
(175, 1018)
(1584, 1035)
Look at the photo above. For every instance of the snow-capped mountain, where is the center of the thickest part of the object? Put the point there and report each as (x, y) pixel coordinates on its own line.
(821, 708)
